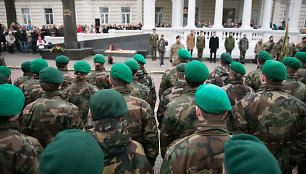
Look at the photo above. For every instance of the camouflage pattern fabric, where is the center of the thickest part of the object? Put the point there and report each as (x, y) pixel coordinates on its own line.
(276, 118)
(168, 80)
(201, 152)
(26, 76)
(68, 78)
(179, 119)
(79, 94)
(302, 75)
(295, 88)
(48, 115)
(121, 153)
(253, 78)
(301, 46)
(100, 79)
(219, 76)
(139, 90)
(270, 47)
(173, 52)
(144, 78)
(243, 44)
(19, 153)
(31, 90)
(177, 90)
(141, 123)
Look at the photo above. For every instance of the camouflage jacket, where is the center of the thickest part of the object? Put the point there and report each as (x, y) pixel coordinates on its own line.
(253, 78)
(177, 90)
(168, 80)
(31, 90)
(270, 47)
(173, 52)
(26, 76)
(273, 116)
(48, 115)
(100, 79)
(79, 94)
(139, 90)
(144, 78)
(121, 153)
(302, 75)
(68, 78)
(141, 123)
(301, 46)
(201, 152)
(243, 44)
(179, 119)
(19, 153)
(295, 88)
(219, 76)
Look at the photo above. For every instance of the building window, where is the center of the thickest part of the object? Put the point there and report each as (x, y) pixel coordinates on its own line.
(126, 15)
(49, 15)
(104, 15)
(304, 22)
(158, 16)
(26, 16)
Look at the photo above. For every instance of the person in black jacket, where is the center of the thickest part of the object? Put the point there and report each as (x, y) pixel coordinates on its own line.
(213, 46)
(34, 38)
(2, 38)
(23, 40)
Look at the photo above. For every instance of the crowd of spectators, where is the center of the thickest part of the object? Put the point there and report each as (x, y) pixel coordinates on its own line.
(105, 28)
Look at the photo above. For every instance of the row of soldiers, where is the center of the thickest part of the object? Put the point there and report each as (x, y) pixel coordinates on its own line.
(115, 119)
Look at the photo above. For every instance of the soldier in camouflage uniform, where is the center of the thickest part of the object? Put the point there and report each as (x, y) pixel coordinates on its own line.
(219, 76)
(173, 54)
(144, 78)
(243, 47)
(276, 118)
(121, 153)
(229, 43)
(180, 116)
(169, 77)
(62, 65)
(99, 77)
(27, 74)
(292, 85)
(253, 78)
(302, 71)
(301, 46)
(202, 152)
(31, 88)
(50, 114)
(180, 87)
(140, 119)
(18, 153)
(80, 91)
(270, 47)
(7, 72)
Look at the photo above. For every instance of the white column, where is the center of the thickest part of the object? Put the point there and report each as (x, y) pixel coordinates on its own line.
(260, 11)
(276, 12)
(218, 14)
(246, 16)
(295, 15)
(266, 14)
(139, 11)
(177, 13)
(149, 14)
(191, 14)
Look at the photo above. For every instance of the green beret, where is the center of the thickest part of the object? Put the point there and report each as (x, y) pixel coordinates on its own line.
(274, 70)
(99, 58)
(3, 79)
(72, 151)
(132, 64)
(11, 100)
(292, 62)
(183, 54)
(181, 67)
(244, 153)
(140, 59)
(121, 72)
(238, 68)
(226, 58)
(212, 99)
(51, 75)
(5, 71)
(301, 56)
(196, 71)
(263, 56)
(62, 59)
(107, 103)
(82, 66)
(26, 66)
(37, 65)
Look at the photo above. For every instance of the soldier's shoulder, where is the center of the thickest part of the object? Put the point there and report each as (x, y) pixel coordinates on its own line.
(137, 102)
(136, 148)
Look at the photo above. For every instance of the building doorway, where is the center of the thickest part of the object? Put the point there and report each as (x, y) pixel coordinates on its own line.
(229, 15)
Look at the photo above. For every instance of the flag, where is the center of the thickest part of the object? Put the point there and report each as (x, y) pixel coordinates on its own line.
(284, 46)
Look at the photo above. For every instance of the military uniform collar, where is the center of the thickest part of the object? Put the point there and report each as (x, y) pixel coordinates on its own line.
(56, 93)
(63, 69)
(100, 69)
(204, 128)
(292, 77)
(27, 74)
(123, 89)
(189, 89)
(235, 81)
(270, 87)
(9, 125)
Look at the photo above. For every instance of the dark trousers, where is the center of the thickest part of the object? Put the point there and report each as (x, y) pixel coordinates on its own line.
(153, 53)
(242, 55)
(11, 48)
(190, 50)
(34, 47)
(23, 47)
(161, 55)
(229, 51)
(211, 53)
(200, 54)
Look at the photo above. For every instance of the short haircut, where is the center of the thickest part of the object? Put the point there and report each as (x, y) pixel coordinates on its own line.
(270, 37)
(61, 65)
(117, 82)
(194, 84)
(49, 86)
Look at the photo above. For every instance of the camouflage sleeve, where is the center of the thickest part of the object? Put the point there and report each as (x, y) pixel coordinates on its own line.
(26, 120)
(150, 134)
(161, 110)
(152, 92)
(166, 166)
(239, 122)
(164, 84)
(248, 81)
(140, 162)
(75, 119)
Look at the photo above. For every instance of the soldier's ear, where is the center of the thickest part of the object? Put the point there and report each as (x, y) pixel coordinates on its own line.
(198, 112)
